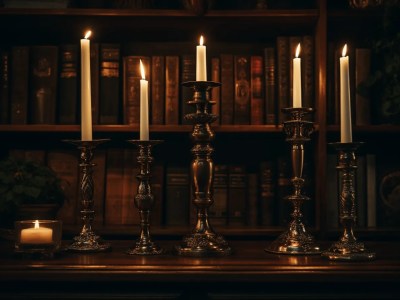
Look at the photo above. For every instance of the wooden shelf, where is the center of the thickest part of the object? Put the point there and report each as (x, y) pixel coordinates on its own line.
(368, 129)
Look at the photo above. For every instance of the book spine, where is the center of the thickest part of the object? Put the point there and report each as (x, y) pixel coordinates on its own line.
(44, 73)
(216, 92)
(283, 76)
(114, 187)
(99, 180)
(157, 184)
(218, 211)
(19, 84)
(4, 87)
(361, 190)
(158, 90)
(307, 70)
(68, 85)
(252, 199)
(242, 90)
(109, 83)
(284, 187)
(188, 73)
(227, 89)
(130, 214)
(237, 199)
(177, 196)
(94, 80)
(257, 91)
(332, 201)
(270, 86)
(171, 90)
(131, 87)
(267, 194)
(363, 100)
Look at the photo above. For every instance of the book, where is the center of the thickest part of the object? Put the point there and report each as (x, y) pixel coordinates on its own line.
(99, 180)
(188, 73)
(237, 195)
(216, 92)
(158, 183)
(68, 85)
(114, 187)
(218, 210)
(130, 184)
(241, 108)
(171, 90)
(362, 98)
(270, 86)
(267, 193)
(158, 90)
(109, 84)
(307, 71)
(4, 86)
(65, 164)
(94, 80)
(131, 87)
(227, 89)
(332, 193)
(388, 192)
(43, 84)
(283, 190)
(252, 199)
(177, 196)
(257, 90)
(283, 75)
(19, 93)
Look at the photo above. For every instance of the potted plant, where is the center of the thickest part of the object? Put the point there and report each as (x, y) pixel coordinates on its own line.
(28, 190)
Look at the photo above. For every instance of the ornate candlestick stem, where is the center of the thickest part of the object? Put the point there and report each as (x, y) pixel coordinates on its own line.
(87, 240)
(203, 241)
(347, 248)
(296, 239)
(144, 200)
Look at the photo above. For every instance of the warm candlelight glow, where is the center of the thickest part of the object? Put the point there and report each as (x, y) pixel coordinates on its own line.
(201, 40)
(142, 70)
(201, 61)
(88, 34)
(36, 224)
(298, 50)
(344, 51)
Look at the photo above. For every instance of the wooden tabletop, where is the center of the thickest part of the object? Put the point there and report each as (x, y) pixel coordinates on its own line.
(249, 265)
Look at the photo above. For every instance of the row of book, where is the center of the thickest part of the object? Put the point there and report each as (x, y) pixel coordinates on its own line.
(242, 197)
(377, 186)
(40, 84)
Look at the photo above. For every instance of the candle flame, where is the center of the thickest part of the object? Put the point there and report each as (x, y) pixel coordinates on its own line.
(36, 224)
(142, 69)
(298, 50)
(344, 51)
(88, 34)
(201, 40)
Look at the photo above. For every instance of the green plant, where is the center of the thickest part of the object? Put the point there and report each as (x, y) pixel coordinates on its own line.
(27, 182)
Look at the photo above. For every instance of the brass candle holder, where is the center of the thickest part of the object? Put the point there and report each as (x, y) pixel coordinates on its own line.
(348, 248)
(203, 241)
(144, 199)
(296, 240)
(87, 240)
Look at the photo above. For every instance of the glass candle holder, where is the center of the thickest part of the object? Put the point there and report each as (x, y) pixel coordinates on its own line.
(38, 236)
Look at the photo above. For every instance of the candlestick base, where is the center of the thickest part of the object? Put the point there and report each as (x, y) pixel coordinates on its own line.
(348, 248)
(203, 244)
(87, 240)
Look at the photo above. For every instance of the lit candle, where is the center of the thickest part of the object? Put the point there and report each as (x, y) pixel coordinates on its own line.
(201, 64)
(144, 106)
(345, 108)
(297, 79)
(86, 101)
(36, 235)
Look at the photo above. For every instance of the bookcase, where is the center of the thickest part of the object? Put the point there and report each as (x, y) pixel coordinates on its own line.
(235, 29)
